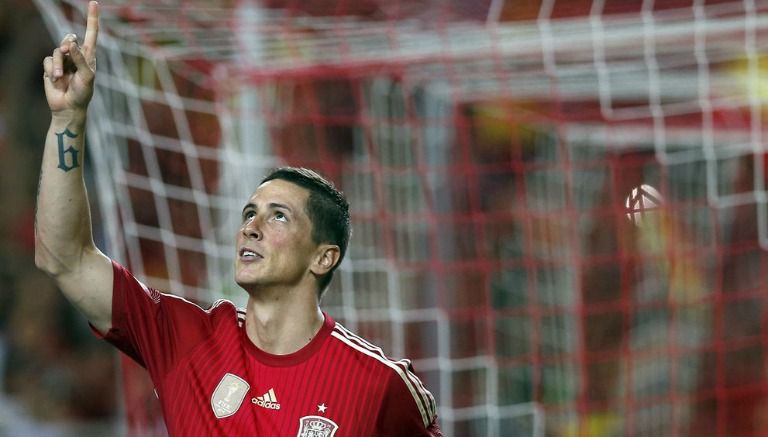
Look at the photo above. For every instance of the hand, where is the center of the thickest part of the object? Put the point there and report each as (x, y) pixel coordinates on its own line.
(70, 71)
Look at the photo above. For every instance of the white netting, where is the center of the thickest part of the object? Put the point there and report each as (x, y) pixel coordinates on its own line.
(478, 143)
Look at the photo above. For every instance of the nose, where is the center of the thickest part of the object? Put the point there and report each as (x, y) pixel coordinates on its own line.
(251, 229)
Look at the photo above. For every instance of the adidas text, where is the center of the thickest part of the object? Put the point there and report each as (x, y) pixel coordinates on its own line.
(267, 400)
(262, 403)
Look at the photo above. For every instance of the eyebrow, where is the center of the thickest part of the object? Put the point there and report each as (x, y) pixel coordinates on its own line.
(271, 205)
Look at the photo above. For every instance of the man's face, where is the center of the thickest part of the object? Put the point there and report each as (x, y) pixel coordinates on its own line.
(274, 242)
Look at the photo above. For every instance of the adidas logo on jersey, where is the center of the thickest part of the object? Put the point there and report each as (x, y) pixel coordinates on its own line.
(267, 400)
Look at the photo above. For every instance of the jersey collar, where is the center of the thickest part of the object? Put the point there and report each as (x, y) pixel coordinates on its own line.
(294, 358)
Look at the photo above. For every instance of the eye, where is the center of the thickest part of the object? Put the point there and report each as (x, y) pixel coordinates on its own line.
(279, 216)
(247, 215)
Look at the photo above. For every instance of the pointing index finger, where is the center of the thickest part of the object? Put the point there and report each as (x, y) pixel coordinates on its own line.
(92, 26)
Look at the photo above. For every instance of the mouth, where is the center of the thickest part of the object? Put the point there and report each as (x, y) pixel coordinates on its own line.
(247, 254)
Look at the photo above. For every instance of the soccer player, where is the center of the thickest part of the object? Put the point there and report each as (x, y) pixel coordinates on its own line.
(281, 366)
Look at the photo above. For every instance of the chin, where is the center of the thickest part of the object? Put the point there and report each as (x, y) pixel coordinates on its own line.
(251, 279)
(245, 272)
(243, 280)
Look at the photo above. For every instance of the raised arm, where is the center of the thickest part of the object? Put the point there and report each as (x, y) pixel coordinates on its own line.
(64, 245)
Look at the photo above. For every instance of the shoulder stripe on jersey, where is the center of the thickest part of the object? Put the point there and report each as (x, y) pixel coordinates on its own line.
(417, 389)
(429, 399)
(425, 415)
(425, 395)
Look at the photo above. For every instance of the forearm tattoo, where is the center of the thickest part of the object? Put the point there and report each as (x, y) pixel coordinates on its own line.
(67, 156)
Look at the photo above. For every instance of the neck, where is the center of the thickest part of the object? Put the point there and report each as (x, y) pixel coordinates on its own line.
(282, 323)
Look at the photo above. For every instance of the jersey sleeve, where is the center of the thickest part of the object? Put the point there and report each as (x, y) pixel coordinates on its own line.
(153, 328)
(408, 408)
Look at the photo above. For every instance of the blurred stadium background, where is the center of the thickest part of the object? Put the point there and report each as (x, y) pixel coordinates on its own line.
(487, 148)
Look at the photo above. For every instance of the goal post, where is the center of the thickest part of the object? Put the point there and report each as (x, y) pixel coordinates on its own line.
(490, 152)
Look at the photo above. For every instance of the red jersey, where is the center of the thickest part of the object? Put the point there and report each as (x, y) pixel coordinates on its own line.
(212, 380)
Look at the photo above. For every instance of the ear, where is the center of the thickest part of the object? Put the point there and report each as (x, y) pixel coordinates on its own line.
(326, 257)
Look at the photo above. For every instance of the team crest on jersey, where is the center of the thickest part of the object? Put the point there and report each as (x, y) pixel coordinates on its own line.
(316, 426)
(229, 395)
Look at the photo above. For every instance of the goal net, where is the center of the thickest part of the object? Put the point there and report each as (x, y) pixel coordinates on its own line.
(559, 208)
